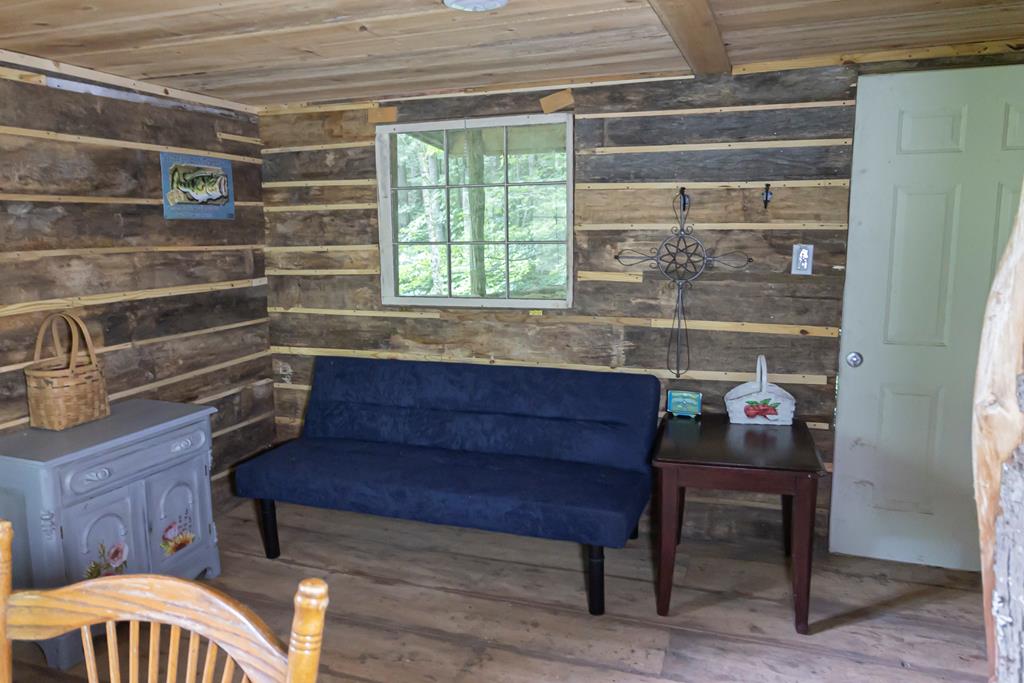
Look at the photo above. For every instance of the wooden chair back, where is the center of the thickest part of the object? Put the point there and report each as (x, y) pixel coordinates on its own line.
(186, 608)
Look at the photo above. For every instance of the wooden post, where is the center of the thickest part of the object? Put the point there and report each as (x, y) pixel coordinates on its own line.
(997, 421)
(307, 631)
(6, 569)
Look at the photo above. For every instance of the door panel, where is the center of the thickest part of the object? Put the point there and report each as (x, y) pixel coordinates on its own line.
(107, 535)
(937, 166)
(923, 230)
(177, 510)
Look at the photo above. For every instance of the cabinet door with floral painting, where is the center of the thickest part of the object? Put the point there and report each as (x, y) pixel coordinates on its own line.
(178, 505)
(106, 535)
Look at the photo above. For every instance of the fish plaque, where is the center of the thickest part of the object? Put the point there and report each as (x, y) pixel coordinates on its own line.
(197, 187)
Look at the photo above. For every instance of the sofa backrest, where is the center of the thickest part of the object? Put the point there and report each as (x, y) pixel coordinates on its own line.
(602, 418)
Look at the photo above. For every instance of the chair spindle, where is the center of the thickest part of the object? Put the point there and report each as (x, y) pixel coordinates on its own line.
(6, 654)
(113, 654)
(229, 670)
(90, 655)
(211, 662)
(193, 658)
(133, 652)
(154, 652)
(172, 655)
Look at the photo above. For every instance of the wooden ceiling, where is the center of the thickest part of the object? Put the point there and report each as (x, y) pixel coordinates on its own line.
(760, 30)
(274, 51)
(262, 51)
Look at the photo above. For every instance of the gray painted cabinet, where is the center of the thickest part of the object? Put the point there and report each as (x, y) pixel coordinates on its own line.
(127, 494)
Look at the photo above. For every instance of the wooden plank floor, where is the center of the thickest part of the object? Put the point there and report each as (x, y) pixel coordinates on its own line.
(414, 603)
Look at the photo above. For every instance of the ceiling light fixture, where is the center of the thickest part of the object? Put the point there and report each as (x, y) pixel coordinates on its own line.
(475, 5)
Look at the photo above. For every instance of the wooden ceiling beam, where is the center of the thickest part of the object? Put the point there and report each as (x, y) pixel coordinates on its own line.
(692, 25)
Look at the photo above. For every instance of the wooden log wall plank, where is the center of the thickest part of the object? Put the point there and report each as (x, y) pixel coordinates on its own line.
(657, 205)
(138, 370)
(788, 129)
(41, 277)
(814, 301)
(66, 168)
(358, 162)
(607, 344)
(365, 260)
(177, 308)
(300, 129)
(771, 250)
(34, 225)
(125, 322)
(231, 448)
(321, 194)
(743, 126)
(790, 163)
(59, 111)
(318, 228)
(807, 85)
(661, 373)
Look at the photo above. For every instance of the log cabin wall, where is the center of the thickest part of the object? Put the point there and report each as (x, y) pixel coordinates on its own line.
(635, 144)
(177, 308)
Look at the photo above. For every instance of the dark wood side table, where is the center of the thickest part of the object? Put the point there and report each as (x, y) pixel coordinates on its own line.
(711, 453)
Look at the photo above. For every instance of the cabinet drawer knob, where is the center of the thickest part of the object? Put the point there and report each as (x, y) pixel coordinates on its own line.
(181, 445)
(102, 474)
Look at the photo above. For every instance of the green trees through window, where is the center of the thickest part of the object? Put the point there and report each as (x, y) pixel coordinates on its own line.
(481, 212)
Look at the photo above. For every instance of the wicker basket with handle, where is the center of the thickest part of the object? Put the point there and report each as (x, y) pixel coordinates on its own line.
(67, 389)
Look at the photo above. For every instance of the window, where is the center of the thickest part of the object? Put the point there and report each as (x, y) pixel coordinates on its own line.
(477, 212)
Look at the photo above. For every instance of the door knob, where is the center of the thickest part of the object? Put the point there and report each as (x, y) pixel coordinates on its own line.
(854, 359)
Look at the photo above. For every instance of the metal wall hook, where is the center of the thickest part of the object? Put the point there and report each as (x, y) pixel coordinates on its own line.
(767, 195)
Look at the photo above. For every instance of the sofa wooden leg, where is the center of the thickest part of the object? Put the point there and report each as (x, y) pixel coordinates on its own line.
(636, 532)
(595, 579)
(268, 528)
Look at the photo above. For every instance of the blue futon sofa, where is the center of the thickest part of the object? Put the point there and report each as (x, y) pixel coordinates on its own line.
(557, 454)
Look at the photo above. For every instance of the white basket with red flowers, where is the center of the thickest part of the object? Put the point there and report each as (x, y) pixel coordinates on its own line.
(760, 402)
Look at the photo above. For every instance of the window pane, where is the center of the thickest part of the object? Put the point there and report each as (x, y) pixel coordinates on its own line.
(421, 215)
(476, 156)
(536, 153)
(537, 212)
(478, 270)
(537, 271)
(419, 159)
(478, 214)
(422, 270)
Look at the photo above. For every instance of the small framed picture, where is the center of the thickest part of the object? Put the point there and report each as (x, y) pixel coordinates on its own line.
(197, 187)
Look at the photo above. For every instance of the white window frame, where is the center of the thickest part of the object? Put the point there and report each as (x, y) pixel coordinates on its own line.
(387, 232)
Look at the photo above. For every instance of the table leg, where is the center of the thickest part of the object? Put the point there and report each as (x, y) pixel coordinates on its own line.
(679, 517)
(787, 524)
(668, 523)
(803, 540)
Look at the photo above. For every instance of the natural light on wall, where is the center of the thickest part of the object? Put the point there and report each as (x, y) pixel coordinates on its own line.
(477, 212)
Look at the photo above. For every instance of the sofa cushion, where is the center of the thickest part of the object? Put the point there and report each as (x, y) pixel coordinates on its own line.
(601, 418)
(521, 495)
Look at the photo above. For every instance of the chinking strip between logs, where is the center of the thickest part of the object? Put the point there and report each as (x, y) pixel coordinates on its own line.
(90, 199)
(134, 295)
(708, 375)
(541, 317)
(121, 144)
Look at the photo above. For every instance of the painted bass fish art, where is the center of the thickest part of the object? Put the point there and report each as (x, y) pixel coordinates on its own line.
(197, 185)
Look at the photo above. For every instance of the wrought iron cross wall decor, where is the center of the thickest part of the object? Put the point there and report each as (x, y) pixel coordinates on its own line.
(681, 258)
